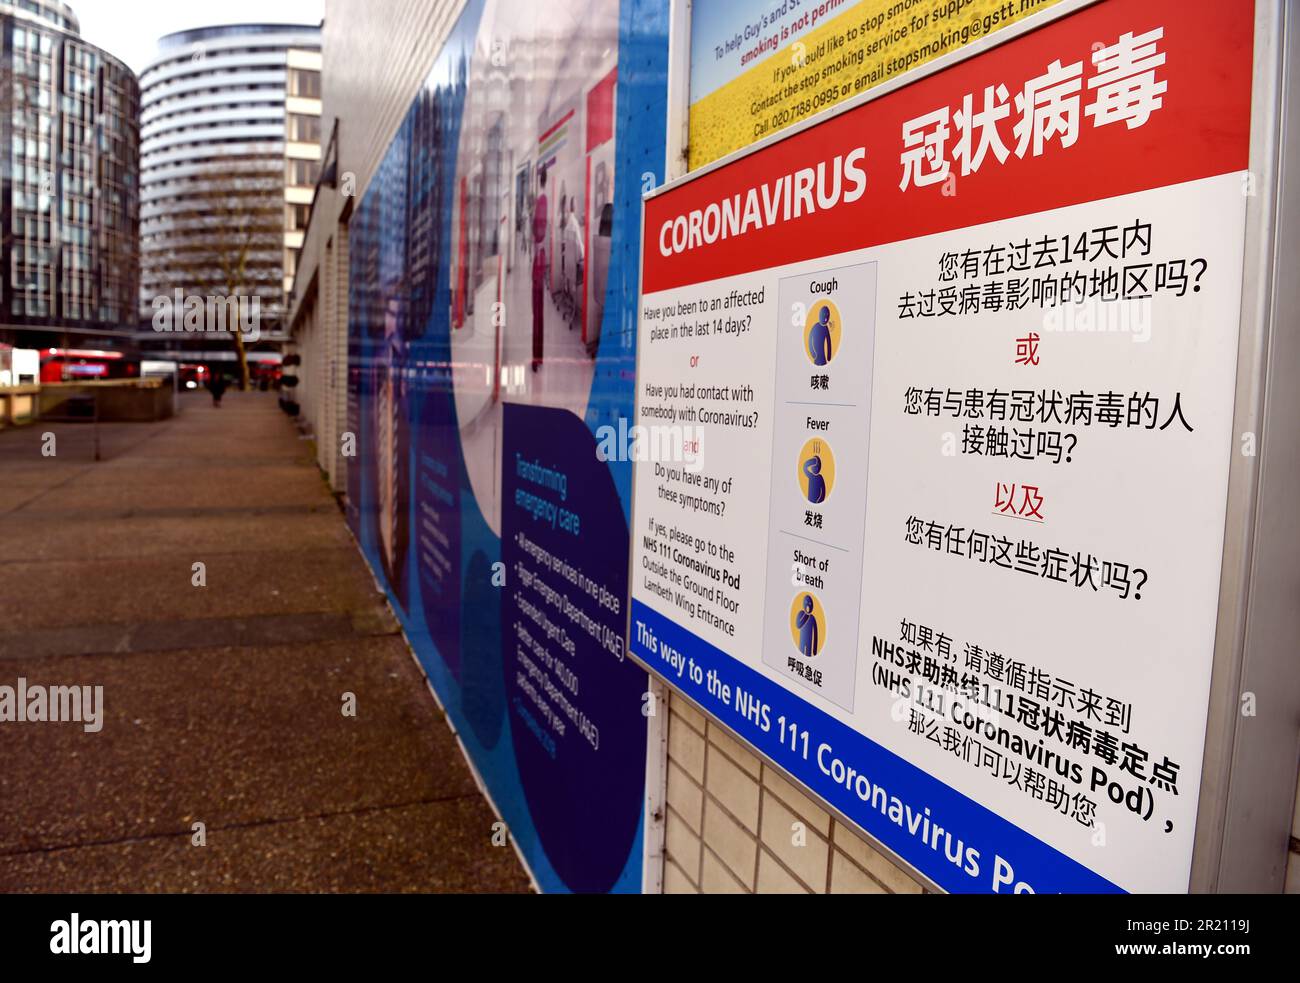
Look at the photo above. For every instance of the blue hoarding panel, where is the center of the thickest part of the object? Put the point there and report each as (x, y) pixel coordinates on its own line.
(493, 285)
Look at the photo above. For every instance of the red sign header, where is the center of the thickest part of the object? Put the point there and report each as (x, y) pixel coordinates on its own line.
(1124, 96)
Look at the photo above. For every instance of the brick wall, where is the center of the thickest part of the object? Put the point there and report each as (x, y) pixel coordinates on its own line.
(735, 825)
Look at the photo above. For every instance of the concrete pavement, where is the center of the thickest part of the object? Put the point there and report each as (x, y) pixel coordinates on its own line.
(222, 703)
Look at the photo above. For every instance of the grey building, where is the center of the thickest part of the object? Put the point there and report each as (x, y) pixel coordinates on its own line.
(230, 153)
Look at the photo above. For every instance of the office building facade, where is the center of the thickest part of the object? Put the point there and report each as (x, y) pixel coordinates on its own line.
(70, 204)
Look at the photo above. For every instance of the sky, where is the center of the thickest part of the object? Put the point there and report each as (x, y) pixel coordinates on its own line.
(129, 29)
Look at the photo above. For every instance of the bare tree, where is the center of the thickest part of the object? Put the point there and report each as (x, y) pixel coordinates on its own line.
(227, 236)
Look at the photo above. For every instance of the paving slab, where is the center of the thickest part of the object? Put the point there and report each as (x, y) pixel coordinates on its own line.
(426, 847)
(238, 746)
(112, 590)
(33, 536)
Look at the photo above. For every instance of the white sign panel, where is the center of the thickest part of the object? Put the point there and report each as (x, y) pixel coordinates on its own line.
(952, 375)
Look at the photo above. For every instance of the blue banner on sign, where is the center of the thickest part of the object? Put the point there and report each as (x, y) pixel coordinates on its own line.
(951, 839)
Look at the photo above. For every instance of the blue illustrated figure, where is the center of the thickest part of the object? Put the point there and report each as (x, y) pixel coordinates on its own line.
(819, 338)
(812, 468)
(806, 622)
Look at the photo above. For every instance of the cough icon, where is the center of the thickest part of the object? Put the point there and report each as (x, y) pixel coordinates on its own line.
(822, 332)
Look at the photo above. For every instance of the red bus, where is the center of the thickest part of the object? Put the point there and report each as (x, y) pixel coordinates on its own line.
(77, 364)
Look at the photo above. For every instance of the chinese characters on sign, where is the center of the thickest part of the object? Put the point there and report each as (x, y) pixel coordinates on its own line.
(1123, 88)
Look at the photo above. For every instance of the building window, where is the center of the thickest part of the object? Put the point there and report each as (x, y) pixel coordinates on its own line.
(295, 217)
(304, 83)
(304, 129)
(302, 173)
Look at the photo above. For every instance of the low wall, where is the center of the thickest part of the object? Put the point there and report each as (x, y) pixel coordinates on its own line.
(118, 401)
(18, 404)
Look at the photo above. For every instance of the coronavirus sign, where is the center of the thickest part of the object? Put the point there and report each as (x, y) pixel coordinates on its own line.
(941, 389)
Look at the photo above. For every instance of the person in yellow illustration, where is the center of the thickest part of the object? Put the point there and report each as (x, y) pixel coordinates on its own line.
(812, 469)
(819, 338)
(806, 622)
(816, 470)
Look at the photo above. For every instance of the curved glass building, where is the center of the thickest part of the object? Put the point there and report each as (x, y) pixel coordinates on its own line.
(70, 168)
(229, 153)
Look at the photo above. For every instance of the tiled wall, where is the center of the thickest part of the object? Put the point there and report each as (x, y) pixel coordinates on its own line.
(734, 825)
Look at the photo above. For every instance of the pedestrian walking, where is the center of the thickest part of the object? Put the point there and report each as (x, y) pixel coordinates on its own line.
(217, 386)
